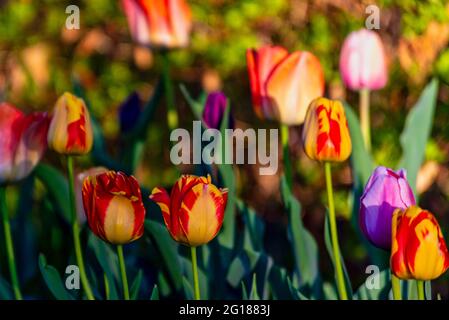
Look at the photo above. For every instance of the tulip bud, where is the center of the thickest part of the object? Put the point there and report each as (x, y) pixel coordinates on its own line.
(194, 211)
(70, 128)
(385, 191)
(22, 142)
(159, 23)
(129, 113)
(418, 247)
(282, 84)
(325, 134)
(114, 208)
(362, 61)
(215, 109)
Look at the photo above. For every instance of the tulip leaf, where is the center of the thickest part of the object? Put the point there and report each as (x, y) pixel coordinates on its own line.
(197, 107)
(328, 242)
(279, 284)
(329, 291)
(135, 287)
(53, 280)
(254, 227)
(376, 287)
(57, 187)
(254, 295)
(5, 290)
(167, 248)
(416, 132)
(106, 257)
(304, 245)
(188, 290)
(244, 292)
(155, 293)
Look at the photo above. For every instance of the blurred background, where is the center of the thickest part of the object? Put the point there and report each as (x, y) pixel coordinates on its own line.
(40, 59)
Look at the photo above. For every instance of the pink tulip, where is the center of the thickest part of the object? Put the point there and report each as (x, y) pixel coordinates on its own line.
(159, 23)
(362, 61)
(23, 140)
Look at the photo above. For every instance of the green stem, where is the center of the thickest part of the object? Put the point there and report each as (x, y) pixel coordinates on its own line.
(396, 286)
(121, 261)
(107, 289)
(334, 236)
(420, 288)
(365, 117)
(196, 282)
(9, 245)
(76, 231)
(286, 155)
(172, 115)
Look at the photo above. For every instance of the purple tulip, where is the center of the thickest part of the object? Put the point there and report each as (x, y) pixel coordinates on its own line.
(129, 112)
(385, 191)
(214, 110)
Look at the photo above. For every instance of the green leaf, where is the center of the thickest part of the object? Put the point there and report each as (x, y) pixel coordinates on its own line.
(328, 242)
(155, 293)
(53, 280)
(57, 186)
(254, 295)
(376, 287)
(5, 290)
(188, 289)
(168, 250)
(254, 227)
(241, 266)
(197, 107)
(135, 287)
(416, 132)
(244, 292)
(304, 245)
(279, 284)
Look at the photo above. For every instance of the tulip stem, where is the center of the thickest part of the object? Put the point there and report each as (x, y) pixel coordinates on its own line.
(76, 231)
(286, 155)
(365, 117)
(420, 288)
(396, 287)
(172, 115)
(334, 236)
(196, 282)
(9, 245)
(121, 261)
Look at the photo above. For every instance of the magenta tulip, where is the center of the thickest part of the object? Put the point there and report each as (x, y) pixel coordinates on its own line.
(362, 61)
(215, 109)
(385, 191)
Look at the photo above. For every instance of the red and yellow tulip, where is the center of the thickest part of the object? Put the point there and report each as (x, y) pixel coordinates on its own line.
(194, 211)
(113, 206)
(22, 142)
(418, 247)
(70, 129)
(283, 84)
(325, 133)
(159, 23)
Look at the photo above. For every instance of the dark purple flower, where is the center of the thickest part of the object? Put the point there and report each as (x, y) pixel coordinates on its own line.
(214, 110)
(385, 191)
(129, 112)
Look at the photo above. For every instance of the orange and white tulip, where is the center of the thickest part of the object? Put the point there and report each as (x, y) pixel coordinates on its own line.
(159, 23)
(418, 247)
(113, 206)
(194, 211)
(70, 129)
(326, 134)
(283, 84)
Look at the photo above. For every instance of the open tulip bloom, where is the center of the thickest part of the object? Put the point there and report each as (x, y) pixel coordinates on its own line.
(193, 213)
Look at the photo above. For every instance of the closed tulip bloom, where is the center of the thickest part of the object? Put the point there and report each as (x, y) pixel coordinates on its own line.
(385, 191)
(113, 206)
(362, 61)
(194, 211)
(23, 140)
(214, 110)
(283, 84)
(418, 247)
(325, 134)
(159, 23)
(70, 129)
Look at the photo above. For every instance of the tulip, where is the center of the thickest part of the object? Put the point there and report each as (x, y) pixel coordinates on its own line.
(418, 247)
(113, 205)
(385, 191)
(129, 113)
(282, 84)
(22, 142)
(215, 109)
(159, 23)
(70, 129)
(362, 61)
(193, 213)
(325, 134)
